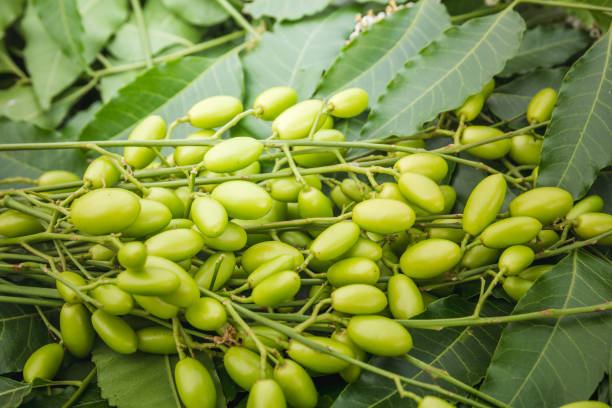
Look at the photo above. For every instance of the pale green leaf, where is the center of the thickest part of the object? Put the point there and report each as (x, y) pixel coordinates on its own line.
(9, 11)
(101, 18)
(143, 380)
(198, 12)
(294, 54)
(111, 84)
(545, 47)
(373, 58)
(578, 139)
(551, 362)
(445, 73)
(12, 392)
(78, 122)
(285, 10)
(165, 29)
(62, 21)
(19, 103)
(21, 329)
(6, 62)
(185, 82)
(50, 69)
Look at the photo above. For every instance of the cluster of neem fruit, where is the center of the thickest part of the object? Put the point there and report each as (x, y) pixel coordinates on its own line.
(176, 254)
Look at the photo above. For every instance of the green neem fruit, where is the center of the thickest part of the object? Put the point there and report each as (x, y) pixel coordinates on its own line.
(214, 111)
(434, 402)
(541, 106)
(543, 240)
(313, 203)
(269, 337)
(405, 299)
(77, 331)
(114, 300)
(269, 268)
(515, 258)
(156, 278)
(479, 255)
(417, 261)
(53, 177)
(297, 385)
(156, 340)
(68, 294)
(487, 90)
(185, 195)
(296, 239)
(190, 155)
(543, 203)
(101, 173)
(243, 199)
(516, 287)
(348, 103)
(287, 189)
(132, 255)
(379, 335)
(194, 384)
(335, 240)
(175, 245)
(43, 363)
(276, 289)
(296, 121)
(452, 234)
(101, 253)
(383, 216)
(525, 149)
(209, 216)
(178, 223)
(253, 168)
(104, 211)
(359, 298)
(355, 190)
(421, 191)
(216, 270)
(586, 404)
(17, 224)
(510, 231)
(426, 164)
(591, 224)
(390, 191)
(414, 143)
(450, 196)
(168, 198)
(471, 107)
(186, 293)
(489, 151)
(534, 272)
(278, 212)
(351, 373)
(353, 270)
(114, 332)
(484, 203)
(274, 101)
(266, 393)
(365, 248)
(233, 238)
(206, 314)
(340, 199)
(242, 365)
(153, 217)
(152, 127)
(263, 252)
(318, 361)
(590, 204)
(233, 154)
(156, 306)
(322, 158)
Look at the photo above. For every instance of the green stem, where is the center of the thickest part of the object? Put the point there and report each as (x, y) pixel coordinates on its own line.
(312, 300)
(176, 327)
(290, 224)
(488, 292)
(47, 323)
(240, 20)
(30, 301)
(30, 291)
(12, 180)
(568, 4)
(142, 32)
(82, 387)
(293, 167)
(74, 260)
(480, 12)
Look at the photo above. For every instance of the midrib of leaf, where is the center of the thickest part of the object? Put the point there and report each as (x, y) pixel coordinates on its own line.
(552, 333)
(549, 45)
(14, 390)
(8, 319)
(298, 61)
(171, 380)
(53, 70)
(74, 47)
(591, 111)
(458, 64)
(89, 6)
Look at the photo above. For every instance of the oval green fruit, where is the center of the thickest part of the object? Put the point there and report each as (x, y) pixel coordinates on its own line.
(179, 223)
(194, 384)
(216, 271)
(158, 277)
(156, 340)
(592, 203)
(53, 177)
(405, 299)
(383, 216)
(105, 211)
(543, 203)
(348, 103)
(101, 173)
(541, 106)
(525, 149)
(17, 224)
(452, 234)
(543, 240)
(586, 404)
(269, 337)
(297, 385)
(43, 363)
(152, 127)
(287, 189)
(175, 245)
(484, 204)
(313, 203)
(365, 248)
(379, 335)
(355, 190)
(242, 365)
(296, 239)
(114, 332)
(471, 107)
(479, 255)
(434, 402)
(510, 231)
(186, 293)
(168, 198)
(353, 270)
(233, 154)
(233, 238)
(262, 252)
(266, 393)
(243, 199)
(132, 255)
(276, 289)
(591, 224)
(421, 191)
(114, 300)
(358, 298)
(516, 258)
(417, 261)
(319, 159)
(156, 306)
(214, 111)
(77, 331)
(341, 200)
(209, 216)
(153, 217)
(335, 240)
(206, 314)
(534, 272)
(191, 155)
(450, 196)
(316, 360)
(516, 287)
(274, 101)
(426, 164)
(68, 294)
(100, 253)
(489, 151)
(296, 121)
(269, 268)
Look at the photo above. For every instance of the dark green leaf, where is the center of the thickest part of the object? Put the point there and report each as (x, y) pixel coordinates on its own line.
(100, 21)
(578, 139)
(603, 188)
(143, 380)
(372, 59)
(21, 332)
(295, 55)
(511, 99)
(464, 352)
(551, 362)
(6, 62)
(12, 392)
(198, 12)
(461, 6)
(50, 69)
(185, 82)
(32, 163)
(9, 11)
(61, 19)
(285, 10)
(91, 398)
(445, 73)
(545, 47)
(79, 121)
(19, 103)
